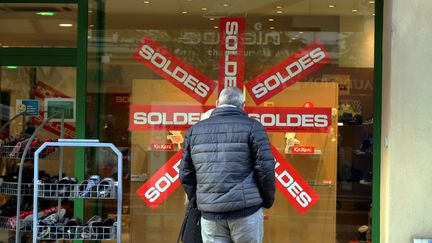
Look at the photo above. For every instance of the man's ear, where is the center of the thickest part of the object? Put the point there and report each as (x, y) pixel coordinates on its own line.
(243, 106)
(217, 103)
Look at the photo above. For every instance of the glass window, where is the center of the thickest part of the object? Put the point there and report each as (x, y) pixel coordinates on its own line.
(318, 56)
(38, 25)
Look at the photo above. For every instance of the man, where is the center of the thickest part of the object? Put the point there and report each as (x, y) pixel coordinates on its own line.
(228, 167)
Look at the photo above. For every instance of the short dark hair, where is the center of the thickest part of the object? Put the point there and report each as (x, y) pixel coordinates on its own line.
(231, 96)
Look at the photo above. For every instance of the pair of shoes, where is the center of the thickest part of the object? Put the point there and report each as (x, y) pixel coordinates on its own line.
(95, 187)
(47, 226)
(95, 228)
(66, 187)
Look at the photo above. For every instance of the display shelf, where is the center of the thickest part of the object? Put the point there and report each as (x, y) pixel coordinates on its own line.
(11, 188)
(85, 189)
(49, 190)
(14, 152)
(76, 232)
(9, 223)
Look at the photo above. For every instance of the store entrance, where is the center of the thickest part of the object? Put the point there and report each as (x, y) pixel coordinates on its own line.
(27, 92)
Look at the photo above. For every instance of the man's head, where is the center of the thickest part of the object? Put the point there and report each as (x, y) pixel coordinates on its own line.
(231, 96)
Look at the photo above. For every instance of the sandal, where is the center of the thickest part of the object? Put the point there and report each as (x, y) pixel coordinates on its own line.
(86, 187)
(66, 187)
(105, 188)
(71, 228)
(90, 227)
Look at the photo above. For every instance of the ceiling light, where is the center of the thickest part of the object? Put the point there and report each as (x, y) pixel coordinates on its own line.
(354, 10)
(146, 2)
(271, 27)
(301, 32)
(271, 20)
(331, 5)
(373, 14)
(371, 1)
(278, 7)
(225, 5)
(65, 25)
(216, 27)
(204, 9)
(90, 11)
(11, 67)
(184, 12)
(279, 11)
(45, 13)
(211, 18)
(91, 26)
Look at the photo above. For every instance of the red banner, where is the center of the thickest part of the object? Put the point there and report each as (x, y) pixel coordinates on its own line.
(42, 91)
(274, 119)
(162, 183)
(292, 185)
(231, 46)
(178, 72)
(288, 72)
(288, 181)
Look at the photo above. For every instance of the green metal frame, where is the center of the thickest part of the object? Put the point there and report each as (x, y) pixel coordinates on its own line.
(38, 56)
(377, 103)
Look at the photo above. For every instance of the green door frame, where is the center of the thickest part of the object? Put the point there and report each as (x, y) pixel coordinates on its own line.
(377, 104)
(61, 57)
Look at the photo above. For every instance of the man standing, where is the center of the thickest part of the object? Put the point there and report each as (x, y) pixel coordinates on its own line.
(227, 168)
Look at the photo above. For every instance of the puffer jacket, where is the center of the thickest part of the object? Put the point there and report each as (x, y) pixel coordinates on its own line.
(227, 163)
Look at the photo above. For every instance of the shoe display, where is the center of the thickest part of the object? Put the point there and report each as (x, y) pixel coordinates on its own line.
(106, 188)
(86, 187)
(66, 186)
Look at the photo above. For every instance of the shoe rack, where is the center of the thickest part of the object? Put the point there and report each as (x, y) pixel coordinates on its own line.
(62, 191)
(24, 154)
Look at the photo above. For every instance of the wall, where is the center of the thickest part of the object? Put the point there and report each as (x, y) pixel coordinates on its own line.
(406, 162)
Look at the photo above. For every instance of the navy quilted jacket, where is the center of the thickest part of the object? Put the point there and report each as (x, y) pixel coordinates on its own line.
(227, 163)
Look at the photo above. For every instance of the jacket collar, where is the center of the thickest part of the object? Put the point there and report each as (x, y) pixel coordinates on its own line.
(227, 110)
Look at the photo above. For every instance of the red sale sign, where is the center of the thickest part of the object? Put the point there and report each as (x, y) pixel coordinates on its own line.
(288, 72)
(162, 183)
(292, 185)
(288, 181)
(274, 119)
(231, 46)
(178, 72)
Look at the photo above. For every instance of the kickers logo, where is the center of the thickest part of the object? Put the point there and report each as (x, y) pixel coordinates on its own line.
(274, 119)
(302, 150)
(292, 185)
(175, 70)
(162, 183)
(288, 72)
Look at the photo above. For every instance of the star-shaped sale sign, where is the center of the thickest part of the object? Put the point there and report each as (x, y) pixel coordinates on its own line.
(231, 73)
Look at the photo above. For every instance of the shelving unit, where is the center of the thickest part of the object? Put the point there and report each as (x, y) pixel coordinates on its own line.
(18, 188)
(84, 232)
